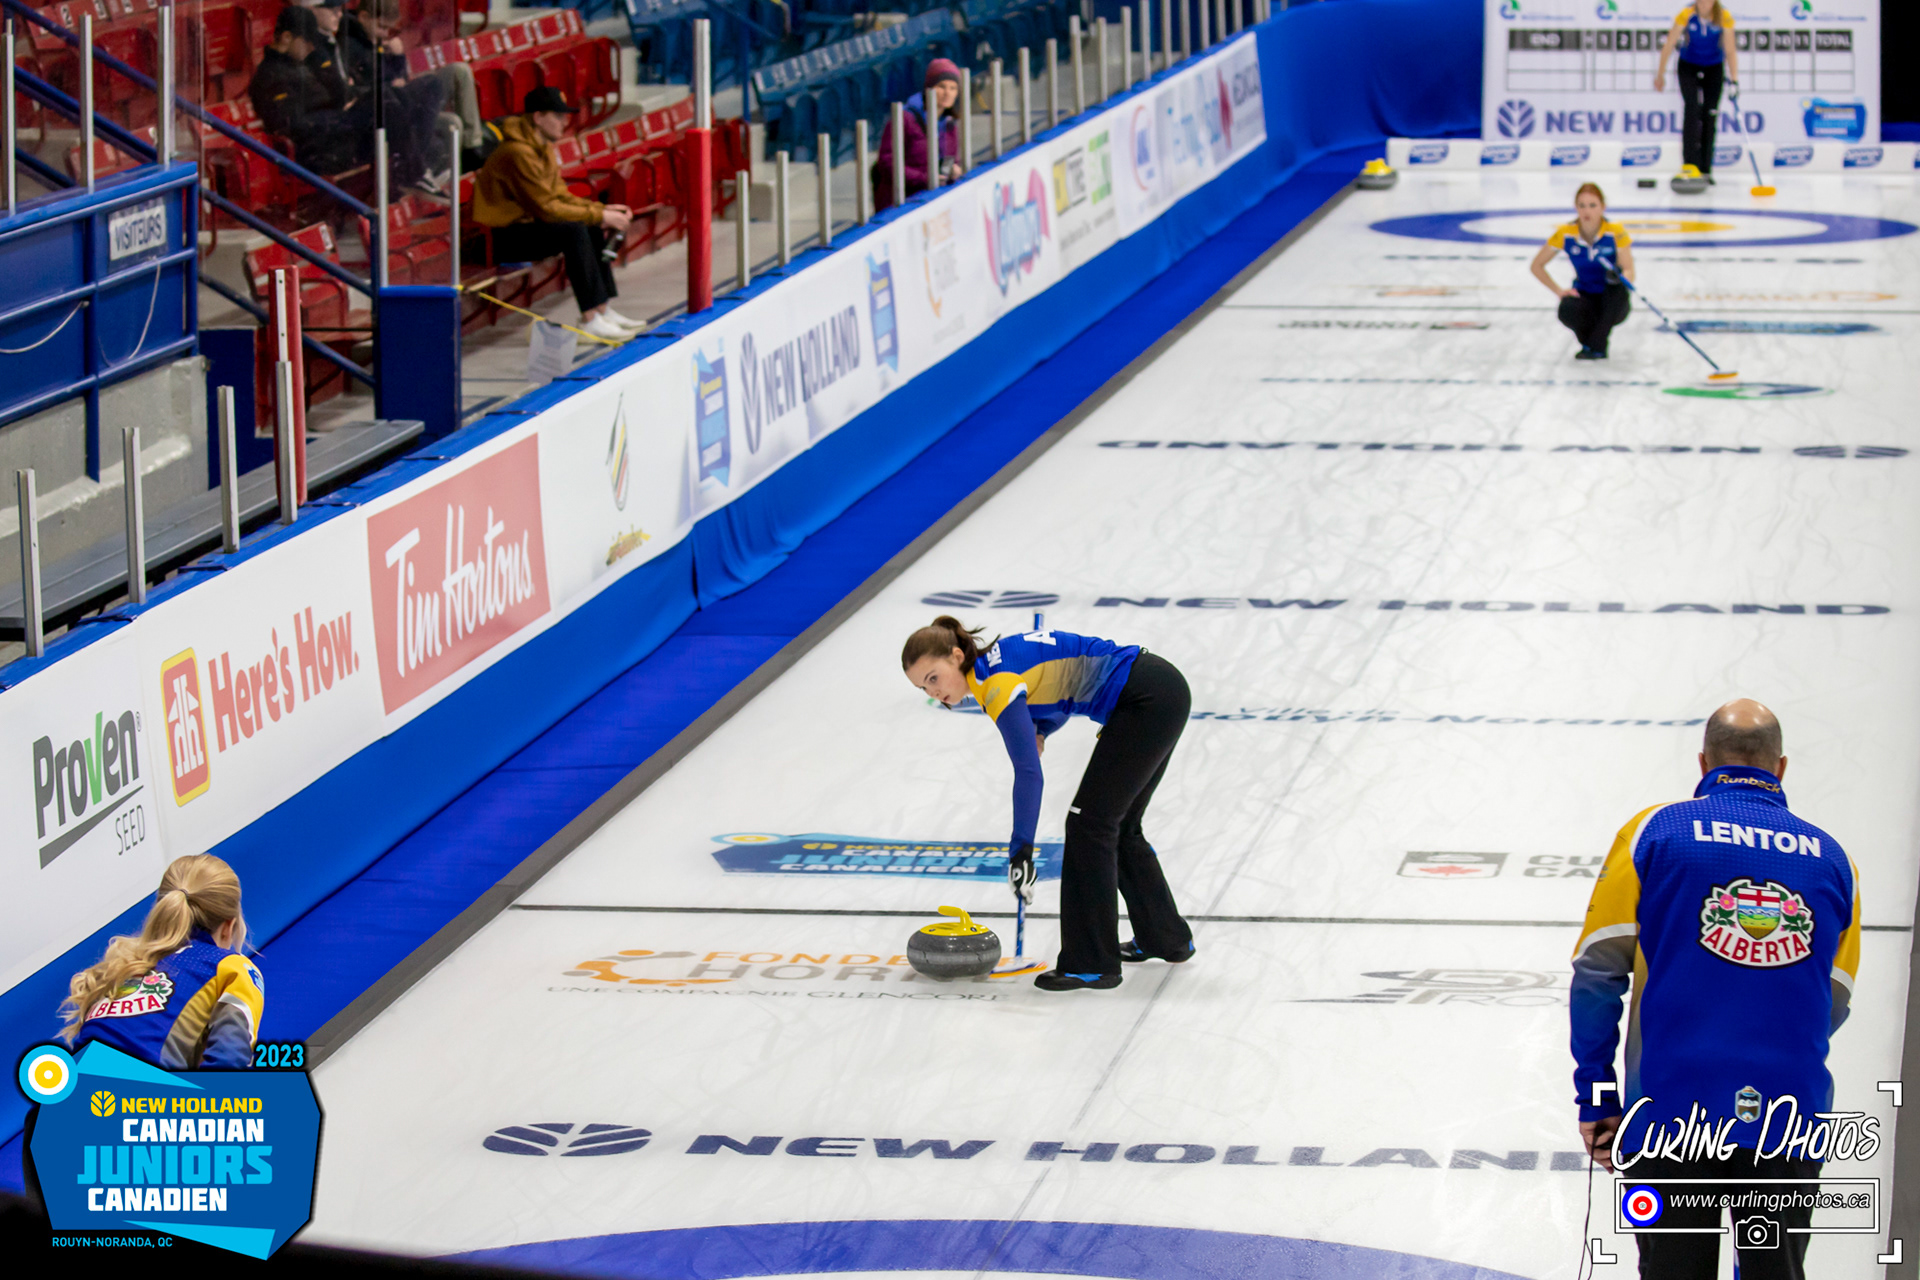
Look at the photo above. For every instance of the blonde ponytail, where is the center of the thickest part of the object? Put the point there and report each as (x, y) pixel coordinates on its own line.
(198, 891)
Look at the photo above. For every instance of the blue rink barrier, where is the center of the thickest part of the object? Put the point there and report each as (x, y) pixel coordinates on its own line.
(1336, 75)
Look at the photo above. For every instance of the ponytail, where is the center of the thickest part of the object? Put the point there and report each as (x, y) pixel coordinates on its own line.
(941, 639)
(198, 891)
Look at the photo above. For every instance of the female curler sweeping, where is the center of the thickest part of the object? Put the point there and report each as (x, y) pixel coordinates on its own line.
(1030, 685)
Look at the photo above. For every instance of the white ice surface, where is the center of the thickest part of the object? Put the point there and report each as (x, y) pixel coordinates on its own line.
(1284, 831)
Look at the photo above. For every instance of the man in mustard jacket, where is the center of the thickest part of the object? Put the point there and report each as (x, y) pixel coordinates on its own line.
(522, 196)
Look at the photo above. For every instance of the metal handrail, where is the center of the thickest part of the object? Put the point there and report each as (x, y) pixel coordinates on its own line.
(213, 122)
(351, 369)
(47, 95)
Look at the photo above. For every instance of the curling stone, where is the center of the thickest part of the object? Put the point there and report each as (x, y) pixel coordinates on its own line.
(1689, 181)
(956, 948)
(1377, 176)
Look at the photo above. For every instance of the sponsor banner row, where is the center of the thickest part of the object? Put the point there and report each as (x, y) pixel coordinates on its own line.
(215, 706)
(1806, 69)
(1651, 157)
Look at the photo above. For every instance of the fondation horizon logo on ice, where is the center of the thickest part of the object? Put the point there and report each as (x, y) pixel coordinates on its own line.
(1751, 391)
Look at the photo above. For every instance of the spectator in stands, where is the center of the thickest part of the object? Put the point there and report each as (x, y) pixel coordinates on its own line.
(522, 196)
(375, 57)
(300, 94)
(943, 83)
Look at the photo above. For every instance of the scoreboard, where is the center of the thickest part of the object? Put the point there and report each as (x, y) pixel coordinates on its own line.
(1573, 69)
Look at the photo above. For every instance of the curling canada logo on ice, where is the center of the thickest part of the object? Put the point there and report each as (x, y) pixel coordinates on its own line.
(480, 530)
(1758, 926)
(1016, 233)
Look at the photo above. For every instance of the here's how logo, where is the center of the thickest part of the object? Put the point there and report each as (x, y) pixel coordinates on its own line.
(80, 784)
(247, 699)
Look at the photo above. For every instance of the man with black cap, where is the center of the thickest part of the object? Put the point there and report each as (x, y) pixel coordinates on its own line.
(943, 86)
(522, 196)
(300, 94)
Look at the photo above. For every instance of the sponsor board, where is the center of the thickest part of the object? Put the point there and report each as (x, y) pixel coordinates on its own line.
(456, 570)
(768, 853)
(269, 681)
(81, 804)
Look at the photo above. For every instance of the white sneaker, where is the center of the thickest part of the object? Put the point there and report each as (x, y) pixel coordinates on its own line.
(602, 327)
(632, 326)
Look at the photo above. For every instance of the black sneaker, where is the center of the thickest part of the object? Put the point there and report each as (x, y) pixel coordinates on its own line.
(1588, 353)
(1131, 952)
(1054, 980)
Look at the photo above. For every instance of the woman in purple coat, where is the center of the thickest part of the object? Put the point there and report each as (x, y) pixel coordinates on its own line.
(943, 82)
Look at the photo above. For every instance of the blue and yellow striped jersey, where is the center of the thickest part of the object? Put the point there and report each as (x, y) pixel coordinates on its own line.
(1591, 262)
(199, 1008)
(1061, 674)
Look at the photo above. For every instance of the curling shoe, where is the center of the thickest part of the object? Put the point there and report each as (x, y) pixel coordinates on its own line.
(1131, 952)
(1591, 353)
(1054, 980)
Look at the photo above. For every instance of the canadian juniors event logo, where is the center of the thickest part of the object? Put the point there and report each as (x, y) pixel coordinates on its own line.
(1016, 233)
(1758, 926)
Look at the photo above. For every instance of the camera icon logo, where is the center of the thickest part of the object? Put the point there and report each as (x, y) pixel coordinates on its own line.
(1756, 1232)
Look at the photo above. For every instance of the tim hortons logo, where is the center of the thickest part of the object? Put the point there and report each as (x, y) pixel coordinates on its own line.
(480, 530)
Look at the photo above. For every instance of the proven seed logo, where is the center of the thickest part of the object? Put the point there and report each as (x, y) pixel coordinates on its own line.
(1758, 926)
(78, 786)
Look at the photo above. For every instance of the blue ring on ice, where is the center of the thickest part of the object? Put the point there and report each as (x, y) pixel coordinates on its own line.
(1113, 1250)
(1836, 228)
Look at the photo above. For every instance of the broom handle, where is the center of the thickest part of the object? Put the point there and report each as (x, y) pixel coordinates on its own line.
(1019, 900)
(1670, 324)
(1752, 155)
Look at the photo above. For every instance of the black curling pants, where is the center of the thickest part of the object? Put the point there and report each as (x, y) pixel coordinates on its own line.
(590, 275)
(1106, 849)
(1700, 112)
(1778, 1255)
(1592, 316)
